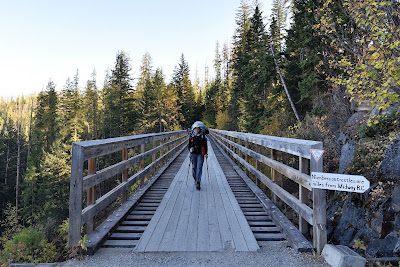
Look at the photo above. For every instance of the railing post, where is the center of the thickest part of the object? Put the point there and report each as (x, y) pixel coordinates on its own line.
(303, 195)
(258, 164)
(142, 149)
(153, 158)
(90, 195)
(75, 195)
(124, 173)
(319, 207)
(276, 178)
(246, 156)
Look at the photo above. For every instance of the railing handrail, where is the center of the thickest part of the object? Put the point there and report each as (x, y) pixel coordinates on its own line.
(90, 150)
(297, 147)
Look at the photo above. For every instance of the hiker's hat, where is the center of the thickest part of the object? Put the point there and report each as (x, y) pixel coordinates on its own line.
(199, 124)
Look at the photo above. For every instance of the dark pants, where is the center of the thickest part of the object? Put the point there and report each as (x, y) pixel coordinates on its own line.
(197, 166)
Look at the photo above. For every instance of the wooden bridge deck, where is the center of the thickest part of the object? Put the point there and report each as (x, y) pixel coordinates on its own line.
(191, 220)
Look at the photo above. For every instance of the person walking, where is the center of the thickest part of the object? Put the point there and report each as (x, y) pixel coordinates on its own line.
(198, 150)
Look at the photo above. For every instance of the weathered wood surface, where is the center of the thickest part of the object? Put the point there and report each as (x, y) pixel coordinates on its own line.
(291, 173)
(302, 209)
(192, 220)
(296, 147)
(97, 148)
(75, 195)
(102, 175)
(92, 210)
(319, 207)
(100, 235)
(294, 237)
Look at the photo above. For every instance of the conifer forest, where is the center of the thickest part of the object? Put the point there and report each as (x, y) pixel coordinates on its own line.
(300, 73)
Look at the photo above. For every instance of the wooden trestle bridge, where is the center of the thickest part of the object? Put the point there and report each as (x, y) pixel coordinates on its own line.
(155, 206)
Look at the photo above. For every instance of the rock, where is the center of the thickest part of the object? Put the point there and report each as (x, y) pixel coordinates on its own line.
(387, 245)
(346, 156)
(390, 167)
(342, 256)
(396, 249)
(347, 226)
(352, 125)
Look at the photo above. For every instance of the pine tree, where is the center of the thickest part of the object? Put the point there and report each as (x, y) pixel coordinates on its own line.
(72, 114)
(304, 75)
(185, 93)
(240, 60)
(91, 103)
(45, 128)
(257, 72)
(119, 100)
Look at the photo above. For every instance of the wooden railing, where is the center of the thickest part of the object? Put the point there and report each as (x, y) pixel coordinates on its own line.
(169, 144)
(236, 144)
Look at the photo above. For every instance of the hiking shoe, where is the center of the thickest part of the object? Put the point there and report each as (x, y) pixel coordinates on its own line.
(198, 185)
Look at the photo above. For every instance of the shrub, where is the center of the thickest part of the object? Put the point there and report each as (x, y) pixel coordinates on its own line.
(29, 245)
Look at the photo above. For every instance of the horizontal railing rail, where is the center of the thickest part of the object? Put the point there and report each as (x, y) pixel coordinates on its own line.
(237, 144)
(169, 144)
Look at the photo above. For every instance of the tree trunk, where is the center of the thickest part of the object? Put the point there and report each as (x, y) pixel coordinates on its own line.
(284, 85)
(8, 160)
(30, 135)
(18, 162)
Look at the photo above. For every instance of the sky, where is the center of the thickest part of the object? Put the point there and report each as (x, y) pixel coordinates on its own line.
(46, 39)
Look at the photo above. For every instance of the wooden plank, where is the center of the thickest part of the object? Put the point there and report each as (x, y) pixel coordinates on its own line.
(101, 147)
(319, 207)
(104, 174)
(291, 173)
(167, 243)
(124, 172)
(296, 147)
(130, 229)
(125, 236)
(302, 209)
(190, 243)
(105, 200)
(213, 225)
(203, 237)
(120, 243)
(91, 197)
(181, 233)
(75, 195)
(237, 223)
(100, 234)
(152, 236)
(303, 195)
(293, 235)
(269, 237)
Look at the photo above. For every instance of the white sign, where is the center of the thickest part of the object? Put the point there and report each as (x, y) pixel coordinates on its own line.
(339, 182)
(317, 153)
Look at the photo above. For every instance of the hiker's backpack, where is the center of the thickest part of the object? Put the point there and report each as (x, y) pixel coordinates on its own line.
(198, 143)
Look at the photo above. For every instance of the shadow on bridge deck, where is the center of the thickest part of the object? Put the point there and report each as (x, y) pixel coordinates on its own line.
(191, 220)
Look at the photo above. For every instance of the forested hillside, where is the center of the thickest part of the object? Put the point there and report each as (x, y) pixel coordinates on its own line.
(335, 57)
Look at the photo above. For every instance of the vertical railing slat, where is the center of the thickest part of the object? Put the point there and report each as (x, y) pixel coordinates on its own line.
(124, 173)
(75, 196)
(303, 195)
(91, 198)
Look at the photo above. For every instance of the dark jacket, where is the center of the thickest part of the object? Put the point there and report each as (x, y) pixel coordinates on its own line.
(197, 142)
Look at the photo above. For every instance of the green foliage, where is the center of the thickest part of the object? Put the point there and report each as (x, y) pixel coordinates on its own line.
(223, 120)
(29, 245)
(367, 40)
(304, 72)
(185, 93)
(360, 247)
(9, 224)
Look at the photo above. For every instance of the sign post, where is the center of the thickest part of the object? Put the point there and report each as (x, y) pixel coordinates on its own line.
(339, 182)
